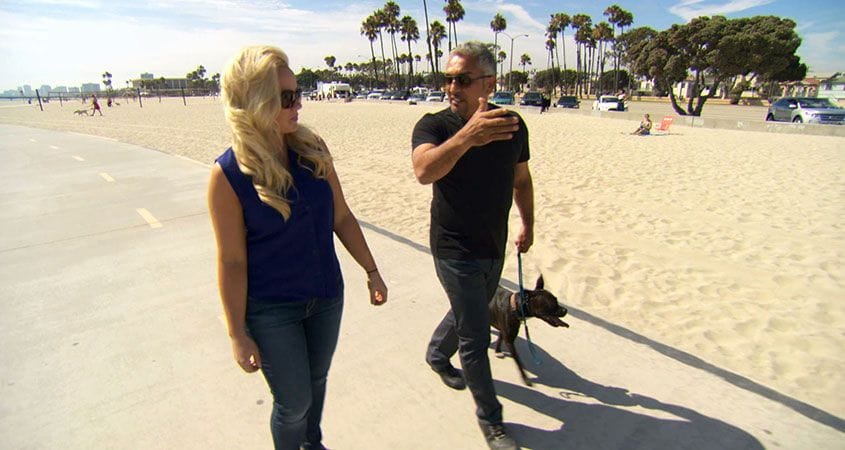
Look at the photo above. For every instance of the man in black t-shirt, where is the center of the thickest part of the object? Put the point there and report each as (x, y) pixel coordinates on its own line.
(476, 156)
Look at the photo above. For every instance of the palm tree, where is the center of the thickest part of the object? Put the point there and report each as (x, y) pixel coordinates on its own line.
(498, 24)
(369, 29)
(524, 60)
(107, 80)
(561, 21)
(409, 32)
(619, 18)
(454, 13)
(438, 32)
(602, 34)
(428, 35)
(577, 22)
(379, 21)
(330, 60)
(500, 58)
(614, 15)
(584, 36)
(391, 17)
(550, 46)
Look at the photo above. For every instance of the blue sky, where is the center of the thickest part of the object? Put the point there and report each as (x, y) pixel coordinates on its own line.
(69, 42)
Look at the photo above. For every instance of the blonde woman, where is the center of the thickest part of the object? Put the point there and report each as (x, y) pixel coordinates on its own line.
(275, 200)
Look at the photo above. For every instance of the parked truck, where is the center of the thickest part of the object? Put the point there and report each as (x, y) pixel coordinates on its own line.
(333, 90)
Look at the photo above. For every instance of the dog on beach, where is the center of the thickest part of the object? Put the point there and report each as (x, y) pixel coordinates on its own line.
(80, 112)
(505, 316)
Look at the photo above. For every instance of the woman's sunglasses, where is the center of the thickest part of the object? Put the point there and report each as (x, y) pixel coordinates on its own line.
(463, 79)
(289, 98)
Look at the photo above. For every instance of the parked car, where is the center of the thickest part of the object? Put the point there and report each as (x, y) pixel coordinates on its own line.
(502, 98)
(609, 103)
(806, 109)
(400, 95)
(534, 99)
(416, 98)
(375, 95)
(435, 96)
(568, 101)
(361, 95)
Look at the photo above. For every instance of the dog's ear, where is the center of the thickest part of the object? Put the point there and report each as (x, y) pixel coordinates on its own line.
(539, 283)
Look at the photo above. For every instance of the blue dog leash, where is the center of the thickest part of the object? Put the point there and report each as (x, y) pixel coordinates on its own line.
(534, 356)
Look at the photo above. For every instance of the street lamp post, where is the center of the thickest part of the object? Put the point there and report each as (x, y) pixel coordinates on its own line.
(510, 86)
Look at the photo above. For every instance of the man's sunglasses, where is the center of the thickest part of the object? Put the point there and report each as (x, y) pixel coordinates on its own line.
(463, 79)
(289, 98)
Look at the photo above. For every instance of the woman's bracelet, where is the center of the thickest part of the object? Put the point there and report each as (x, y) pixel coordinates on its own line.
(372, 271)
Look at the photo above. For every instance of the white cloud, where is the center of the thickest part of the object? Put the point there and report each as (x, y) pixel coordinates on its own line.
(690, 9)
(517, 17)
(823, 52)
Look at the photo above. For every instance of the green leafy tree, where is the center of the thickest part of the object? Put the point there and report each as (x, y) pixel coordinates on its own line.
(711, 51)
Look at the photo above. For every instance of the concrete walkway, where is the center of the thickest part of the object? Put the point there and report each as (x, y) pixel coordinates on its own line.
(111, 337)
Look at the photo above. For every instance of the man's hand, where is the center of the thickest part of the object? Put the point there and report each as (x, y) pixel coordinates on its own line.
(486, 126)
(524, 240)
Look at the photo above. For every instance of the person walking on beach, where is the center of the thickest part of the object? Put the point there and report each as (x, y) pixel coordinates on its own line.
(95, 105)
(475, 155)
(275, 200)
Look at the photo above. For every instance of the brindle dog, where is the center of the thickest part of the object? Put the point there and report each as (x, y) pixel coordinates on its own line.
(505, 316)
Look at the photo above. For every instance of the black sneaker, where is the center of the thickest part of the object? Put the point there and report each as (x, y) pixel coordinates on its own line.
(451, 377)
(497, 438)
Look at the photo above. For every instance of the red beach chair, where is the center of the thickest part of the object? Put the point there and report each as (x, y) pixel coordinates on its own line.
(664, 125)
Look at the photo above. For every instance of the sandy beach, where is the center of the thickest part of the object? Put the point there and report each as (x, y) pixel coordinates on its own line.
(727, 245)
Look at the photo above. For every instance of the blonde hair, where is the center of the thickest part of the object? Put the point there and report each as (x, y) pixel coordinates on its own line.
(251, 92)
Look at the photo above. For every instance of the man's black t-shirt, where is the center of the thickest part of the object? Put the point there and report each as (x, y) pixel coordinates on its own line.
(470, 205)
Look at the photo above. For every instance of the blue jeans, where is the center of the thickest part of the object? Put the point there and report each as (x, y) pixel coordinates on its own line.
(296, 341)
(466, 328)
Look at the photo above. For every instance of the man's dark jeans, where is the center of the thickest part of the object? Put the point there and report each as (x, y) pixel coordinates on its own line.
(466, 328)
(296, 341)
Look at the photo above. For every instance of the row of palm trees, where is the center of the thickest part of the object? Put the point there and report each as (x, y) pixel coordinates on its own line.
(594, 44)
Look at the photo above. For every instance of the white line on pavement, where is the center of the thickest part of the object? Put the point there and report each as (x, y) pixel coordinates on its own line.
(107, 177)
(151, 220)
(78, 158)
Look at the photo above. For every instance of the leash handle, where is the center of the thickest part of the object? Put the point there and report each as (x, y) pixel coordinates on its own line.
(537, 360)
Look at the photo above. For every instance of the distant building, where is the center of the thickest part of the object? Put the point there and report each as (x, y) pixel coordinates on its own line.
(44, 89)
(27, 90)
(73, 90)
(147, 76)
(168, 83)
(62, 89)
(833, 87)
(11, 93)
(90, 87)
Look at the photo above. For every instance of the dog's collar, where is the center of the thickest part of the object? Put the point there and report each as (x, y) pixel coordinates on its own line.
(514, 304)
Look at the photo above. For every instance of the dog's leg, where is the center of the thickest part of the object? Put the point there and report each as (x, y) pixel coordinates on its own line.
(512, 348)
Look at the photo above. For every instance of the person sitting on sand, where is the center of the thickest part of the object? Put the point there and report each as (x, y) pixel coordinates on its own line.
(645, 126)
